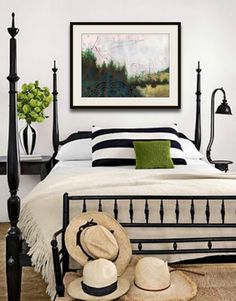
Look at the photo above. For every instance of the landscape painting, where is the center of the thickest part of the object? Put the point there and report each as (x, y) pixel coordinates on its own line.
(123, 65)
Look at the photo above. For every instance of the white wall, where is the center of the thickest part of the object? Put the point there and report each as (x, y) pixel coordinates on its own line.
(208, 35)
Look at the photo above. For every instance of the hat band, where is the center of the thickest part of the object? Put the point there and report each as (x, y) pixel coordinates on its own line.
(154, 290)
(81, 229)
(101, 291)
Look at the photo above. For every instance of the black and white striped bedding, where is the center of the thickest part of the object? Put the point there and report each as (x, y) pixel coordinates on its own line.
(114, 146)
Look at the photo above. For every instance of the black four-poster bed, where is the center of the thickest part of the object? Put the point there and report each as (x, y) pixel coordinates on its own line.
(16, 248)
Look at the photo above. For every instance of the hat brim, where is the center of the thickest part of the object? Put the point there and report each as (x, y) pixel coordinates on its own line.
(182, 288)
(106, 220)
(75, 291)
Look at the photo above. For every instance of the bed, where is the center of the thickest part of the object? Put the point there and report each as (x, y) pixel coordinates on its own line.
(193, 205)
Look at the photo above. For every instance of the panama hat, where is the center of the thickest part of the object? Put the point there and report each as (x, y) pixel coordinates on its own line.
(152, 281)
(99, 282)
(94, 235)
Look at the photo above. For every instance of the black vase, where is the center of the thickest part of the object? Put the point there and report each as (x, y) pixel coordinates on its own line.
(28, 139)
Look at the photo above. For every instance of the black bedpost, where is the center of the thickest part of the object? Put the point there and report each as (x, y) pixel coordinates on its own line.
(13, 238)
(197, 138)
(55, 129)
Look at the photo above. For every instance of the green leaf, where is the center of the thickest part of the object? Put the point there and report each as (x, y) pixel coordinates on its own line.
(39, 119)
(33, 114)
(24, 97)
(22, 116)
(33, 103)
(31, 87)
(35, 92)
(26, 109)
(37, 109)
(30, 96)
(19, 106)
(24, 87)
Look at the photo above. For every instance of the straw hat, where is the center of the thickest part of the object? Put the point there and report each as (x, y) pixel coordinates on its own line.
(105, 287)
(152, 281)
(94, 235)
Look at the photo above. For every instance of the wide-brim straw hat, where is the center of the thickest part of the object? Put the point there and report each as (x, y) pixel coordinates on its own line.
(104, 219)
(181, 288)
(99, 282)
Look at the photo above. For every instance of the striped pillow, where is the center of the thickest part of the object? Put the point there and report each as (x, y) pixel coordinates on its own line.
(114, 146)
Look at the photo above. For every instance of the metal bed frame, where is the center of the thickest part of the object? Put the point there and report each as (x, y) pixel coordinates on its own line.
(140, 245)
(16, 247)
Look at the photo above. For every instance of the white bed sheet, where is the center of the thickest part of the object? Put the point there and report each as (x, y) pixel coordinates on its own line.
(193, 166)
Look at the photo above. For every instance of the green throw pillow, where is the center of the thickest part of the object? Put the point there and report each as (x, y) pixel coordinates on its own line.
(153, 154)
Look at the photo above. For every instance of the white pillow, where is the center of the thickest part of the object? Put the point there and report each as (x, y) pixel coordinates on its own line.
(190, 150)
(79, 149)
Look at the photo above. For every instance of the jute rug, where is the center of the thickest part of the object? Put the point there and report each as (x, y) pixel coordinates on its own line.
(218, 284)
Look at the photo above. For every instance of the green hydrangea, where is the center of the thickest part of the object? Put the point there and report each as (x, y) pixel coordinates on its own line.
(31, 102)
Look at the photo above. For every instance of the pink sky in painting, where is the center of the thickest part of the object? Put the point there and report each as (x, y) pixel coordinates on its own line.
(146, 53)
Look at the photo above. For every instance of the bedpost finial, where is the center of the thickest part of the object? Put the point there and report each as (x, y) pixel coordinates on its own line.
(13, 20)
(13, 31)
(198, 67)
(54, 69)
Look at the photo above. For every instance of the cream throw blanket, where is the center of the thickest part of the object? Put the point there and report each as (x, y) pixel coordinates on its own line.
(41, 215)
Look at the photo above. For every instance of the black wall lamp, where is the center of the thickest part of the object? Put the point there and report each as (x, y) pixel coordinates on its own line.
(225, 109)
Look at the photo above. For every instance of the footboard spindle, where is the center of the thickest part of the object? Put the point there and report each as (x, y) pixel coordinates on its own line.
(131, 211)
(99, 205)
(161, 211)
(222, 211)
(207, 212)
(115, 210)
(177, 211)
(192, 211)
(84, 206)
(146, 211)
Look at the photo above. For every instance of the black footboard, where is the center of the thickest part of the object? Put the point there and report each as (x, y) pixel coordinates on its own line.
(154, 245)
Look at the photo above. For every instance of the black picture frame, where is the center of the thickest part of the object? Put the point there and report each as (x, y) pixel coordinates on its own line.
(77, 102)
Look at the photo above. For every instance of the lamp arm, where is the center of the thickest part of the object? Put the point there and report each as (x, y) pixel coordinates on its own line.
(212, 133)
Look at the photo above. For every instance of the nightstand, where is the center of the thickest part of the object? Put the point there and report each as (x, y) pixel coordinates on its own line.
(222, 165)
(40, 167)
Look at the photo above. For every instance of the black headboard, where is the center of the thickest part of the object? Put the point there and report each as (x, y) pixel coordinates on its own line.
(76, 136)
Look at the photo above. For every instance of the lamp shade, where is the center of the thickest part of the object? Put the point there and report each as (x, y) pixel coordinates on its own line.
(224, 108)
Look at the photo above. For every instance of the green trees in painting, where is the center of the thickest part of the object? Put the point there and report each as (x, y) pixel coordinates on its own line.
(106, 80)
(112, 80)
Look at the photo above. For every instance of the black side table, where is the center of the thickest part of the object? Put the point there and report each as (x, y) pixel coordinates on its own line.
(222, 165)
(40, 167)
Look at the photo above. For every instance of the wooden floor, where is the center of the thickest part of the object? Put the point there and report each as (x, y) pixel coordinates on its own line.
(33, 287)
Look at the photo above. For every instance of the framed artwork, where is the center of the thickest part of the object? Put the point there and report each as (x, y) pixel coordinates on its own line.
(125, 65)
